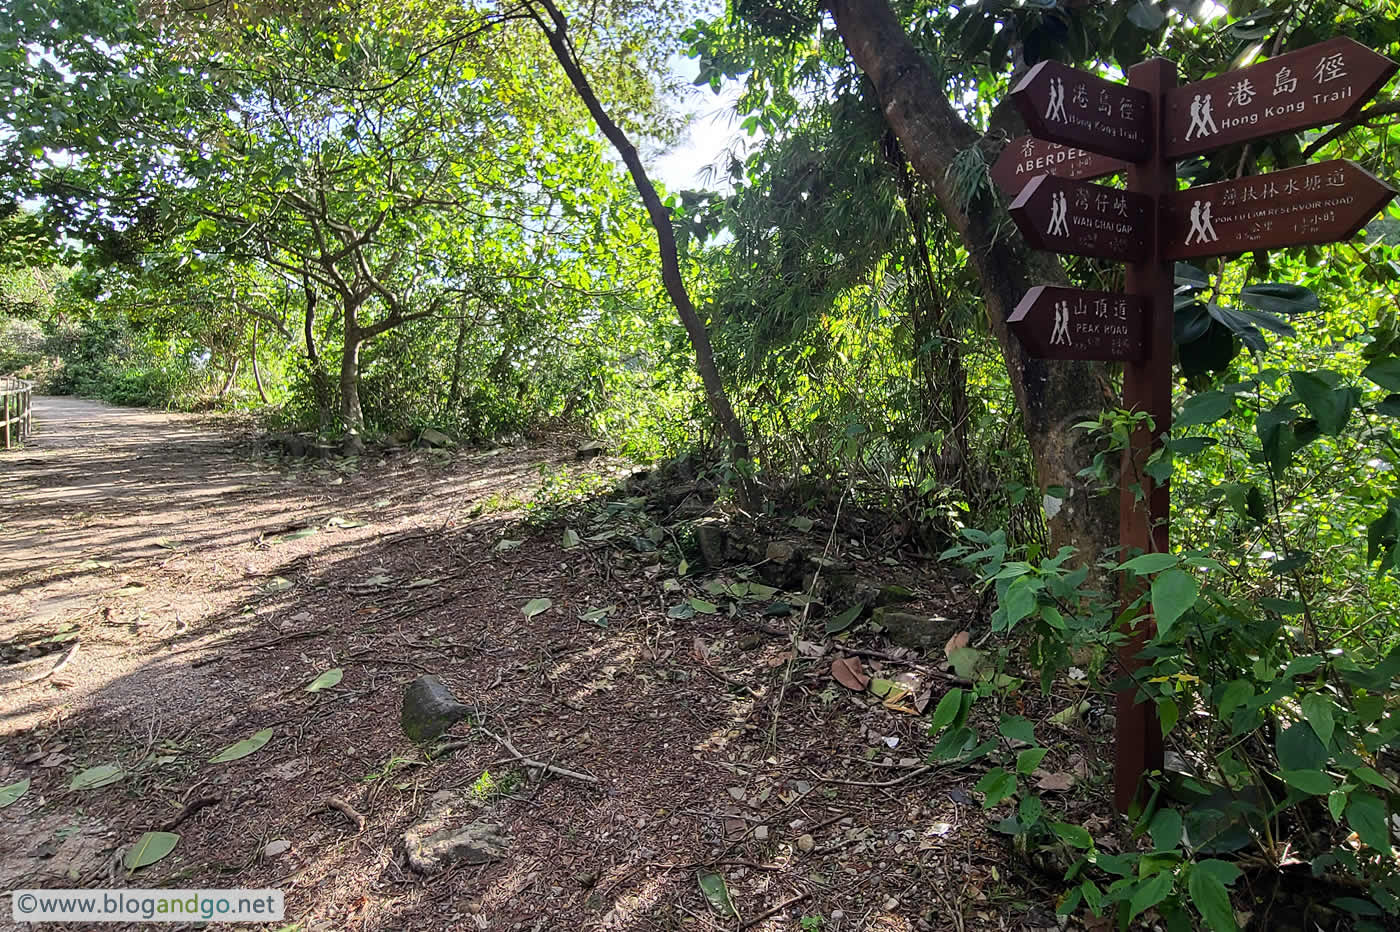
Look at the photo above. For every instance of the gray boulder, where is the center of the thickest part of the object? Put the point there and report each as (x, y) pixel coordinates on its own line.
(429, 709)
(434, 842)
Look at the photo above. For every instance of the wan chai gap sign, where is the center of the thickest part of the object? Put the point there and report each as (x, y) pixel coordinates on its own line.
(1082, 127)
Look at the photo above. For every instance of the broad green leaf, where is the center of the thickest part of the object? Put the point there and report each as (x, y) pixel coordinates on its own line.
(1298, 748)
(1205, 408)
(571, 539)
(703, 607)
(1314, 782)
(1029, 759)
(1337, 803)
(599, 616)
(1385, 373)
(1173, 594)
(1149, 893)
(1330, 406)
(243, 748)
(1166, 829)
(9, 795)
(997, 784)
(947, 710)
(1211, 900)
(841, 622)
(1017, 728)
(716, 893)
(1073, 835)
(535, 606)
(1150, 563)
(326, 680)
(1368, 817)
(94, 777)
(1019, 601)
(149, 848)
(1317, 709)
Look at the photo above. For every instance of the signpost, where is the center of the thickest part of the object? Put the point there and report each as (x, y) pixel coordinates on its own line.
(1320, 84)
(1077, 120)
(1070, 323)
(1026, 158)
(1084, 219)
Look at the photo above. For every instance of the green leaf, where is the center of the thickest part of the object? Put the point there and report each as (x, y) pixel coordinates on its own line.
(1029, 759)
(9, 795)
(1279, 298)
(598, 616)
(1367, 816)
(1298, 748)
(1150, 563)
(1313, 782)
(94, 777)
(1211, 900)
(844, 620)
(1075, 836)
(716, 893)
(1166, 829)
(535, 607)
(1017, 728)
(571, 539)
(948, 708)
(1385, 373)
(1331, 407)
(1168, 713)
(1019, 601)
(1317, 709)
(326, 680)
(149, 848)
(1149, 893)
(243, 748)
(1205, 408)
(1173, 594)
(1337, 803)
(997, 784)
(703, 607)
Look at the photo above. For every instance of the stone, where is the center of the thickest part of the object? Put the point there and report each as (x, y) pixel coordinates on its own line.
(782, 564)
(805, 843)
(434, 843)
(760, 833)
(709, 535)
(275, 848)
(429, 709)
(920, 632)
(590, 448)
(435, 438)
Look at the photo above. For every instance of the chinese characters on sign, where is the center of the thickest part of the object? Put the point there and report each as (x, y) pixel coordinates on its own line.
(1319, 203)
(1320, 84)
(1068, 323)
(1026, 157)
(1084, 219)
(1074, 108)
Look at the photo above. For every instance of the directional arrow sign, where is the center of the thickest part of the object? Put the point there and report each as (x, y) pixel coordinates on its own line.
(1320, 84)
(1026, 157)
(1084, 219)
(1319, 203)
(1067, 323)
(1075, 108)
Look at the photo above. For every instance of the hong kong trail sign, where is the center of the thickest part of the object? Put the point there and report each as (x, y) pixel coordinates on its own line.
(1070, 323)
(1082, 125)
(1074, 108)
(1084, 219)
(1320, 203)
(1026, 158)
(1320, 84)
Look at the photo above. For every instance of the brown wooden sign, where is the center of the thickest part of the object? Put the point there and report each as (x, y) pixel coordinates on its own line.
(1319, 203)
(1025, 157)
(1084, 219)
(1069, 323)
(1322, 83)
(1074, 108)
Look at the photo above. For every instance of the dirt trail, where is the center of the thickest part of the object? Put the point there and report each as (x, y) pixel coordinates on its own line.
(204, 584)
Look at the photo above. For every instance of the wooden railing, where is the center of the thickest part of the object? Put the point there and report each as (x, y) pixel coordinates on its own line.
(16, 394)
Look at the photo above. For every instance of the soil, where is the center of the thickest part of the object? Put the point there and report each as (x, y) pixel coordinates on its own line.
(170, 590)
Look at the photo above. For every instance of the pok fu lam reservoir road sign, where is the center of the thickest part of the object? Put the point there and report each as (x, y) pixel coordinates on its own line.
(1025, 157)
(1320, 84)
(1083, 219)
(1074, 108)
(1069, 323)
(1320, 203)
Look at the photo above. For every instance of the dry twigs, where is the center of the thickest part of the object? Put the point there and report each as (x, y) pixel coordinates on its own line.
(39, 677)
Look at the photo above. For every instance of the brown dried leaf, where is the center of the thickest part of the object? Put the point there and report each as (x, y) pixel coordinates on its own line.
(1056, 782)
(959, 640)
(699, 652)
(849, 673)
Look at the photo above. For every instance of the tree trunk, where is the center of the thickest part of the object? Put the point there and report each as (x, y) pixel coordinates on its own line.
(351, 415)
(715, 393)
(232, 376)
(454, 389)
(1053, 396)
(320, 386)
(253, 355)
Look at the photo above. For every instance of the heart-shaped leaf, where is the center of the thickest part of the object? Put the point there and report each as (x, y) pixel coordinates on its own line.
(535, 607)
(326, 680)
(150, 848)
(243, 748)
(849, 672)
(571, 539)
(94, 777)
(9, 795)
